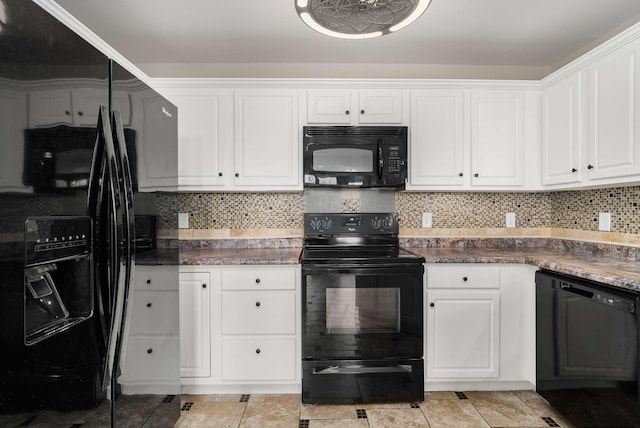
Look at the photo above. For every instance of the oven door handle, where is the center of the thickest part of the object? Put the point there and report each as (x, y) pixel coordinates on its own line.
(352, 369)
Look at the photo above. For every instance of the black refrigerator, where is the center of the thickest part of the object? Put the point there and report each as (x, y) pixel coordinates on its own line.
(88, 181)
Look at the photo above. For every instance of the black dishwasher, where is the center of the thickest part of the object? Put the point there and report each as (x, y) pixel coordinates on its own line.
(587, 350)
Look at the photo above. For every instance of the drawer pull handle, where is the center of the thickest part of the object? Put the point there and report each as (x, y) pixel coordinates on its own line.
(148, 281)
(149, 305)
(257, 304)
(150, 351)
(432, 304)
(257, 280)
(258, 351)
(465, 279)
(204, 285)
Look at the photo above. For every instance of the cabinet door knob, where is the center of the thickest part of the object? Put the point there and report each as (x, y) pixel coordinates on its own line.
(219, 174)
(347, 112)
(149, 305)
(67, 112)
(237, 175)
(204, 285)
(80, 113)
(476, 175)
(148, 281)
(257, 280)
(574, 170)
(257, 304)
(361, 111)
(432, 304)
(149, 351)
(465, 279)
(258, 351)
(461, 174)
(589, 166)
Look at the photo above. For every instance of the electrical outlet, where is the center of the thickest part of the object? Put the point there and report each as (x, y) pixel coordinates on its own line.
(510, 219)
(604, 222)
(427, 220)
(183, 220)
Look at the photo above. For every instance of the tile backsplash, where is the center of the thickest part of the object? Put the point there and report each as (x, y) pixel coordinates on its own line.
(278, 210)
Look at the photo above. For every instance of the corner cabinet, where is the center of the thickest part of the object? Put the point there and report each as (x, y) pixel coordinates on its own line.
(363, 107)
(480, 326)
(247, 328)
(614, 114)
(266, 138)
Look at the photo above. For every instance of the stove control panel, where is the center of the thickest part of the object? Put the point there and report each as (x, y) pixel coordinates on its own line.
(358, 224)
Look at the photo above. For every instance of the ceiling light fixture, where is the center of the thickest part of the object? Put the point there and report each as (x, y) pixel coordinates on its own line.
(359, 19)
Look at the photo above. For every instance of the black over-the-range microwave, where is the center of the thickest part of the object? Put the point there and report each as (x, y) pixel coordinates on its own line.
(355, 156)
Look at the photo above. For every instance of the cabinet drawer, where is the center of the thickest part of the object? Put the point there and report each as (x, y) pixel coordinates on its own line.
(259, 279)
(259, 313)
(154, 312)
(259, 359)
(152, 360)
(155, 278)
(461, 276)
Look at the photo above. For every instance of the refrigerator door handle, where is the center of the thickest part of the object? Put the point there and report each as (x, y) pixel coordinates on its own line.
(128, 225)
(105, 203)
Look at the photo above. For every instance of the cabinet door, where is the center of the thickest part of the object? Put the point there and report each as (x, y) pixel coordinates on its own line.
(201, 135)
(156, 143)
(497, 139)
(437, 144)
(614, 114)
(195, 338)
(380, 106)
(329, 106)
(266, 136)
(50, 107)
(86, 104)
(561, 131)
(463, 334)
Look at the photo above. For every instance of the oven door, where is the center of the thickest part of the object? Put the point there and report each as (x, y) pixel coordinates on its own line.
(362, 312)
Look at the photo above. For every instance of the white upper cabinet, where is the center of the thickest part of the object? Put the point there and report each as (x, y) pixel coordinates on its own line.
(614, 114)
(267, 138)
(201, 135)
(436, 138)
(346, 107)
(497, 138)
(562, 136)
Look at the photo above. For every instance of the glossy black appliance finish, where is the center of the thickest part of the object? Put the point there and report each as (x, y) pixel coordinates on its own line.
(587, 350)
(355, 156)
(362, 317)
(68, 199)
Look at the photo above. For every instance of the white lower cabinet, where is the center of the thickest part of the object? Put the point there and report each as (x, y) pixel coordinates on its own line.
(480, 326)
(195, 324)
(254, 338)
(151, 351)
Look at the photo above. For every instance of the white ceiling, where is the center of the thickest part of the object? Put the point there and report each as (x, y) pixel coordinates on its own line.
(539, 33)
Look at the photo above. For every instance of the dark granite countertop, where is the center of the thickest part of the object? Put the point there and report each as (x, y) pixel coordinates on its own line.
(609, 264)
(610, 270)
(240, 256)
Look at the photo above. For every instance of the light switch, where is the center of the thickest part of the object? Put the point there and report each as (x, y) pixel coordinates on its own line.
(183, 220)
(604, 222)
(427, 220)
(510, 219)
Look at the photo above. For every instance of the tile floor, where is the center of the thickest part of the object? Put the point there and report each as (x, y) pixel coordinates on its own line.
(438, 410)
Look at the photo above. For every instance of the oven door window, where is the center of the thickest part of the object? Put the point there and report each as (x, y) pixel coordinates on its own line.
(343, 159)
(362, 315)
